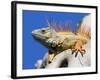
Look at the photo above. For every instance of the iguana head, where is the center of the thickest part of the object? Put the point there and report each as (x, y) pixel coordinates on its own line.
(42, 35)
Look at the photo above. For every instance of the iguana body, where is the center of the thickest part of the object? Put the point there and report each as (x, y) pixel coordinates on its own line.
(58, 41)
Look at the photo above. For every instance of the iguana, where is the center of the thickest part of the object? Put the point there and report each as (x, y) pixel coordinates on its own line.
(58, 39)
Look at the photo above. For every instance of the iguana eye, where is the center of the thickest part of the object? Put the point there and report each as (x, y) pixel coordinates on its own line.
(43, 31)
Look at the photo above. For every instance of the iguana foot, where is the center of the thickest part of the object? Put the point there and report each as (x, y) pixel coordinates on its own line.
(78, 49)
(82, 51)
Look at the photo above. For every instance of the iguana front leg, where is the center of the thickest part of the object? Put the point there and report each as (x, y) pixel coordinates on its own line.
(51, 56)
(54, 43)
(78, 48)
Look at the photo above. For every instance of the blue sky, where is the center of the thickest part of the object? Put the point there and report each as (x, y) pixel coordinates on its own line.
(32, 50)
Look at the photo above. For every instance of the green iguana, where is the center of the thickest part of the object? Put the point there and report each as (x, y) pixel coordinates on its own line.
(58, 39)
